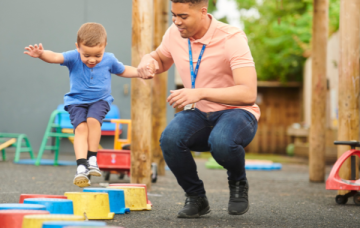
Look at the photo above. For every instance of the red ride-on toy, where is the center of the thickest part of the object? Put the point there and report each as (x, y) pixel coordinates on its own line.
(118, 160)
(334, 182)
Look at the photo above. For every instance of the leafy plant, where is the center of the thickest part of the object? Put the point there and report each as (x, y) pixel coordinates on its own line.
(280, 38)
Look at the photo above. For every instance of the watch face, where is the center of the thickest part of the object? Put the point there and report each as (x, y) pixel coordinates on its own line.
(190, 107)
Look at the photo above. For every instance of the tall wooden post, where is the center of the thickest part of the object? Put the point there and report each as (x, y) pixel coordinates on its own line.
(318, 100)
(142, 32)
(159, 89)
(349, 79)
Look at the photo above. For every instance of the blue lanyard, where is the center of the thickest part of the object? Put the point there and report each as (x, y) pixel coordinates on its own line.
(194, 74)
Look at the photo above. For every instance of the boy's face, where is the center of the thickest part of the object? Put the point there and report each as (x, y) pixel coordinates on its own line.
(91, 56)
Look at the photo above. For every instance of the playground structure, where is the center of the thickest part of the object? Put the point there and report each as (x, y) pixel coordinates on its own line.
(19, 141)
(118, 160)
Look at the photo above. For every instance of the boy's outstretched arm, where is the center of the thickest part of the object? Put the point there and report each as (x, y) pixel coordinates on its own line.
(45, 55)
(132, 72)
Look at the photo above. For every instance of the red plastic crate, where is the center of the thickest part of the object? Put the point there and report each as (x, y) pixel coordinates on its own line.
(114, 160)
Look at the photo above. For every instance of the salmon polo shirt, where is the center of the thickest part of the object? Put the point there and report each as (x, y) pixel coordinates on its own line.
(226, 49)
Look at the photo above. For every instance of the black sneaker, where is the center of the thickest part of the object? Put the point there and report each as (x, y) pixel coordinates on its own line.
(93, 167)
(81, 178)
(194, 207)
(239, 202)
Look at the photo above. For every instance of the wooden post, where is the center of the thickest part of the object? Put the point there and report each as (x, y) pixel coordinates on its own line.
(349, 79)
(159, 89)
(142, 32)
(318, 100)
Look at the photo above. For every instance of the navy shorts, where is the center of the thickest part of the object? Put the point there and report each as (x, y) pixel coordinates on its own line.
(80, 112)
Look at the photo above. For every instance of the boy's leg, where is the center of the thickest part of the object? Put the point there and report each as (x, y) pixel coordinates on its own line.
(96, 114)
(78, 120)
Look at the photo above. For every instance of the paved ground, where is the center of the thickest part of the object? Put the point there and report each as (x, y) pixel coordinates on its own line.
(277, 198)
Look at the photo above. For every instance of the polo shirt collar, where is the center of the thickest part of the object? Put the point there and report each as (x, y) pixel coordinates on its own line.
(209, 33)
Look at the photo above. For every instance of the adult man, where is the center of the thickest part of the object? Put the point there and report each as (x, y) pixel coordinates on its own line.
(220, 114)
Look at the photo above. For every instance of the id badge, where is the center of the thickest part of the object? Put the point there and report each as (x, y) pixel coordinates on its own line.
(190, 107)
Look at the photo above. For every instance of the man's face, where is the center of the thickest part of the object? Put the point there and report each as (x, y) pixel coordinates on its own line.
(91, 56)
(188, 18)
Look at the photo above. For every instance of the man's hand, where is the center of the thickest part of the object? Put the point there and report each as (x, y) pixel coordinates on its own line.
(182, 97)
(147, 67)
(34, 51)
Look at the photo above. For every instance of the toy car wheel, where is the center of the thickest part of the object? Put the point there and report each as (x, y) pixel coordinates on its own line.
(357, 198)
(340, 199)
(121, 176)
(107, 176)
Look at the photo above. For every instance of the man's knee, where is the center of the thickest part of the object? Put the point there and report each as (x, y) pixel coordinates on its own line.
(93, 122)
(221, 147)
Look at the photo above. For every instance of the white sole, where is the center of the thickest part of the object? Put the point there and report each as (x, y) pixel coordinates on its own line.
(81, 181)
(95, 173)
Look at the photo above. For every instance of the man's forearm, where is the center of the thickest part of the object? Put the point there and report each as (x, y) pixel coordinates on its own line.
(51, 57)
(239, 95)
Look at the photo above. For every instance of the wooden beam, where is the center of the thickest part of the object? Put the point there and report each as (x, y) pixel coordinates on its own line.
(349, 80)
(318, 100)
(159, 89)
(142, 32)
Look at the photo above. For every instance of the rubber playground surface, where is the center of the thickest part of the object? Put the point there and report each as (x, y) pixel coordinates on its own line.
(281, 198)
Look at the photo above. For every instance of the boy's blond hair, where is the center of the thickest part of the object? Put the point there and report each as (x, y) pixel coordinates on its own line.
(91, 34)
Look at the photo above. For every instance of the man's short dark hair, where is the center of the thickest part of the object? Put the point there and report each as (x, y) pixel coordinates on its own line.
(192, 2)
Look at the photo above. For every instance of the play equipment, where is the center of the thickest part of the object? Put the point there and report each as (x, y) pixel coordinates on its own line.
(116, 160)
(54, 206)
(249, 165)
(134, 185)
(116, 199)
(60, 120)
(19, 141)
(21, 206)
(334, 182)
(62, 224)
(14, 218)
(36, 221)
(135, 198)
(94, 205)
(28, 196)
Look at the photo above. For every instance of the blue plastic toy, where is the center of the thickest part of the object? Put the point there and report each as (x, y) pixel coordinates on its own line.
(62, 224)
(21, 206)
(54, 206)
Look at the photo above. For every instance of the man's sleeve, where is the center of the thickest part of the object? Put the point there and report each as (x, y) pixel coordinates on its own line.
(164, 46)
(238, 51)
(116, 67)
(69, 58)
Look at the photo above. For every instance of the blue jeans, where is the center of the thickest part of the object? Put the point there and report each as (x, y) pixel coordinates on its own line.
(223, 133)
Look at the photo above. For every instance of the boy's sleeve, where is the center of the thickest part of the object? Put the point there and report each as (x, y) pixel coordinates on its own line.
(116, 67)
(238, 51)
(69, 58)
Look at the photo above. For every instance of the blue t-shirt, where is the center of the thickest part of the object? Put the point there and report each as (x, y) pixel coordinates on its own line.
(88, 85)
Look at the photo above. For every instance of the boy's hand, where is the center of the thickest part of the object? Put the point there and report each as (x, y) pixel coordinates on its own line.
(147, 67)
(34, 51)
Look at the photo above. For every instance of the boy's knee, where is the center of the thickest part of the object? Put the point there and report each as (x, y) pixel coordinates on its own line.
(93, 122)
(81, 128)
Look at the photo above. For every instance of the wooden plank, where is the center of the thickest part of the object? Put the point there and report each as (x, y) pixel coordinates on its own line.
(319, 88)
(159, 89)
(7, 143)
(349, 77)
(142, 43)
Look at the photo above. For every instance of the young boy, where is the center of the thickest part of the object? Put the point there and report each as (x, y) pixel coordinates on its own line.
(89, 98)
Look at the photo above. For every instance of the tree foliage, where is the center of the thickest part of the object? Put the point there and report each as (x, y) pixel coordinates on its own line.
(280, 35)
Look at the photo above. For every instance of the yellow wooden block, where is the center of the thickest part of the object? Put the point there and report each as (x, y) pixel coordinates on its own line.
(135, 198)
(94, 205)
(36, 221)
